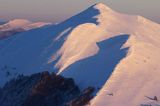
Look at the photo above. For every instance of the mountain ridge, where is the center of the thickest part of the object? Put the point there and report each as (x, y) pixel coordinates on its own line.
(98, 47)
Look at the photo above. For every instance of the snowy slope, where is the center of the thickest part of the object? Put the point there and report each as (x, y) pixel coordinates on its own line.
(114, 52)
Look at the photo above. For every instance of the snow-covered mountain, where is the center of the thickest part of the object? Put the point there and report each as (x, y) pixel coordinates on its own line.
(118, 54)
(18, 25)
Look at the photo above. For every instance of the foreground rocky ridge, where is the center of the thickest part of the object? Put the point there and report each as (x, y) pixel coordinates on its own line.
(43, 89)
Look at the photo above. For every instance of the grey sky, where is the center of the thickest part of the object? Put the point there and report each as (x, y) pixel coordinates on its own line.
(58, 10)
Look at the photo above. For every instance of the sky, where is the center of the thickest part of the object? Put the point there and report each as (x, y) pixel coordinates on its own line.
(59, 10)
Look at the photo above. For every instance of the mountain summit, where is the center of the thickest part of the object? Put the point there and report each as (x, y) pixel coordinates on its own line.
(102, 6)
(116, 53)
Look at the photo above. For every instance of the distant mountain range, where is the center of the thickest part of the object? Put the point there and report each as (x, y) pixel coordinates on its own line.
(116, 53)
(18, 25)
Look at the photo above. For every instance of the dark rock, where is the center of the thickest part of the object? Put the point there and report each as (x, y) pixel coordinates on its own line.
(15, 92)
(52, 90)
(44, 89)
(0, 92)
(83, 99)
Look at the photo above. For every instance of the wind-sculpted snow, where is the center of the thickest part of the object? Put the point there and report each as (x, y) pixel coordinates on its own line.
(95, 70)
(116, 53)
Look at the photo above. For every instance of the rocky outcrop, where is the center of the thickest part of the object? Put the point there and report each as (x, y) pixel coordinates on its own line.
(83, 99)
(15, 92)
(43, 89)
(0, 93)
(52, 90)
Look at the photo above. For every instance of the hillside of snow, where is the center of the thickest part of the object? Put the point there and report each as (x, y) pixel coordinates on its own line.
(118, 54)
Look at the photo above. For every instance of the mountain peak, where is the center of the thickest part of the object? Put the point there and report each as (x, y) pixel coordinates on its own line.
(102, 6)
